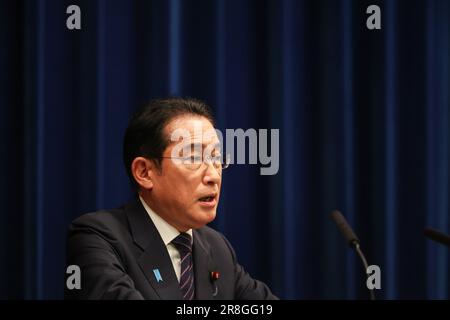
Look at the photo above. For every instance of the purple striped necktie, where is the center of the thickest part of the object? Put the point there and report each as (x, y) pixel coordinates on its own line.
(184, 246)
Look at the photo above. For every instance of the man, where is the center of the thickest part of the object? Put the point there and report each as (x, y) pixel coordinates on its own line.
(158, 246)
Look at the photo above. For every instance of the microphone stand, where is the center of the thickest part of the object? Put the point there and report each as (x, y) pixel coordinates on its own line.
(366, 266)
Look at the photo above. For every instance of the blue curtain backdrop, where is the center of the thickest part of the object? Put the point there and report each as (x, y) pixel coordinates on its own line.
(363, 118)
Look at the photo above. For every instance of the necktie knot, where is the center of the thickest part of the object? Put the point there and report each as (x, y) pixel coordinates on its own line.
(183, 243)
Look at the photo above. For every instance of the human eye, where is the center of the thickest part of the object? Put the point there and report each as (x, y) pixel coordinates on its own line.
(193, 159)
(216, 161)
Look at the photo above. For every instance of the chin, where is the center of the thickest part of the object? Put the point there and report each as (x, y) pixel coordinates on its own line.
(204, 218)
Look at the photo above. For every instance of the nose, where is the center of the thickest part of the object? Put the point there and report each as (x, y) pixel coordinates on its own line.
(211, 175)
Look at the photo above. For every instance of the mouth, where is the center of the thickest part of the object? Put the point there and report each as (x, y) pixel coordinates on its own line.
(208, 200)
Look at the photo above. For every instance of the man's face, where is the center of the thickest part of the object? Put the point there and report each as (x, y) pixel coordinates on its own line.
(186, 197)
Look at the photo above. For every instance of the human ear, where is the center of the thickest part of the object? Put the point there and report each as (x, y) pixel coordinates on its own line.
(141, 169)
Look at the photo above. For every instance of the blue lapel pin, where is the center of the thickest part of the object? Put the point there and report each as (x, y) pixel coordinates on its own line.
(157, 275)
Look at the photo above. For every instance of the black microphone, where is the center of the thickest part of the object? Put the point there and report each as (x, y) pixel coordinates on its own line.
(351, 239)
(437, 236)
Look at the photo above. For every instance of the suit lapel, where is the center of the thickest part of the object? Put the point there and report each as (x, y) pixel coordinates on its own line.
(155, 260)
(203, 266)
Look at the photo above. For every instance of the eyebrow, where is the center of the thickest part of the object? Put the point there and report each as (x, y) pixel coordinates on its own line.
(201, 146)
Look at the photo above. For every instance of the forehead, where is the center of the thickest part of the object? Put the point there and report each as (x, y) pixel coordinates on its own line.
(199, 129)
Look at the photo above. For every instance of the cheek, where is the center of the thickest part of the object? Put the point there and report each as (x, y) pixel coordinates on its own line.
(183, 190)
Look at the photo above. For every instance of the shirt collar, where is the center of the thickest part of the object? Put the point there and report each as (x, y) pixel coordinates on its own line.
(166, 231)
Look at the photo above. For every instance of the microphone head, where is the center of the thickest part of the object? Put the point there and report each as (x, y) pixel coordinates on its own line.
(437, 236)
(345, 228)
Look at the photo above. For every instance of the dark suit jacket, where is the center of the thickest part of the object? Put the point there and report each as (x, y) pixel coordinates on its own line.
(117, 251)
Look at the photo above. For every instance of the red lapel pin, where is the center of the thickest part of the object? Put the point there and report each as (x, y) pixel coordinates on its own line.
(215, 275)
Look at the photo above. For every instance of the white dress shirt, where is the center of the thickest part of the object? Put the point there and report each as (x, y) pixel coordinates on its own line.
(167, 233)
